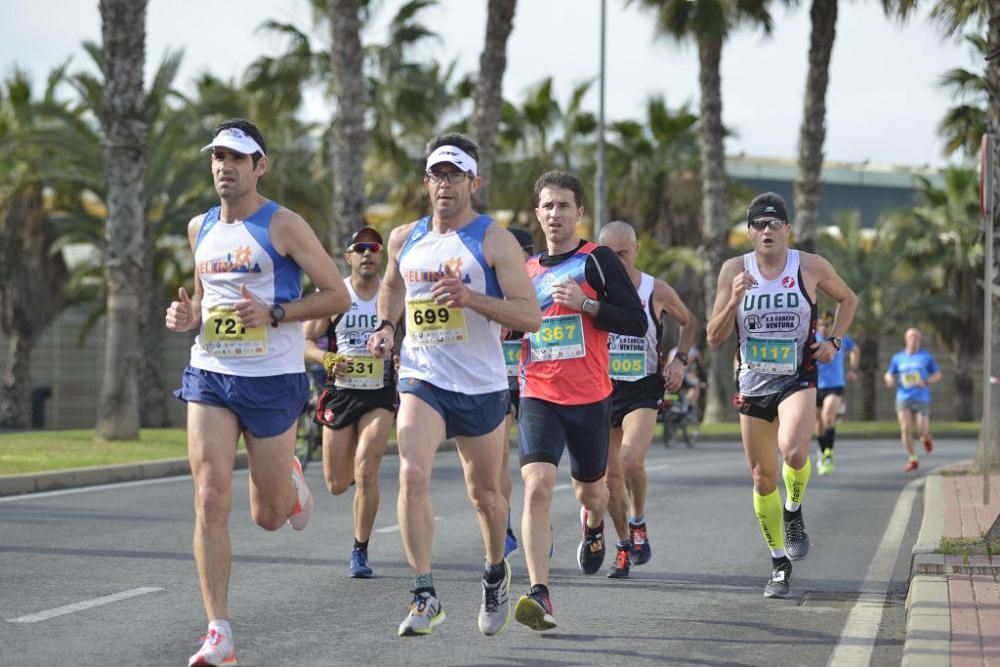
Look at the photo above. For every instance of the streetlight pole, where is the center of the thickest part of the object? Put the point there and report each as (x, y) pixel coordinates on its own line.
(600, 206)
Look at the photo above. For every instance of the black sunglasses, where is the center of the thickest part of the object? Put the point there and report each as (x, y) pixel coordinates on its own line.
(761, 225)
(361, 246)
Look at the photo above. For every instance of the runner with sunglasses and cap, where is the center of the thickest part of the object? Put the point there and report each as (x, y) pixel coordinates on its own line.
(458, 277)
(247, 371)
(768, 296)
(358, 401)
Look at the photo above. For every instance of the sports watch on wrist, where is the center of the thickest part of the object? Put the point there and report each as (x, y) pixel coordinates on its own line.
(681, 357)
(385, 323)
(277, 314)
(836, 342)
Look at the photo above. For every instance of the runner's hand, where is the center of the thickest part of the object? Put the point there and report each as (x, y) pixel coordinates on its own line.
(380, 343)
(741, 283)
(451, 291)
(569, 294)
(252, 313)
(824, 352)
(673, 376)
(180, 313)
(330, 362)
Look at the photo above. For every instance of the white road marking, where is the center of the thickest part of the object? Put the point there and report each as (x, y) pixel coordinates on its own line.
(858, 638)
(96, 487)
(86, 604)
(395, 529)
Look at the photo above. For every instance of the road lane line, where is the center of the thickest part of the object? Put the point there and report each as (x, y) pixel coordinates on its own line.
(857, 641)
(395, 529)
(86, 604)
(95, 487)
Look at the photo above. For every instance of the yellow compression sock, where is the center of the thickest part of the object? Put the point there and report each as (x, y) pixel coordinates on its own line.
(795, 484)
(768, 509)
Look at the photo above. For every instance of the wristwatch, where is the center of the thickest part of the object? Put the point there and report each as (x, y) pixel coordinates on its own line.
(836, 342)
(681, 357)
(385, 323)
(277, 314)
(588, 306)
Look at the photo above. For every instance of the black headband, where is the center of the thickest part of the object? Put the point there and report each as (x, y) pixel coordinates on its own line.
(765, 208)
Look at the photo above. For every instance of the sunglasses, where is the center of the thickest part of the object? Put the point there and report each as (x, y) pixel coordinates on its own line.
(362, 246)
(761, 225)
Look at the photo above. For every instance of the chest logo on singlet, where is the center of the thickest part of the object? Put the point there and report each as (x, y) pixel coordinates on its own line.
(771, 312)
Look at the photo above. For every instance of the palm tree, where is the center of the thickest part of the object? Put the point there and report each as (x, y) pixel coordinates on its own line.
(965, 124)
(124, 121)
(32, 277)
(868, 260)
(349, 134)
(943, 243)
(647, 165)
(489, 93)
(708, 23)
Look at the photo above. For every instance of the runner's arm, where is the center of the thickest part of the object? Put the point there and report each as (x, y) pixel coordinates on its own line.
(518, 308)
(619, 309)
(294, 237)
(391, 295)
(723, 321)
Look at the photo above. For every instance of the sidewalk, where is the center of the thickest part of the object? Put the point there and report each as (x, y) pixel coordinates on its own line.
(953, 605)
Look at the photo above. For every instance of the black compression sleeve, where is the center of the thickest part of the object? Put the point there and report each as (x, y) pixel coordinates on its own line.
(621, 310)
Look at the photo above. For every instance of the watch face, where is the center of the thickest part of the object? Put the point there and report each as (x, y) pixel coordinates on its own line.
(277, 313)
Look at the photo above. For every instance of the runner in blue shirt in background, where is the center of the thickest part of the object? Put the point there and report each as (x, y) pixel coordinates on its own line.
(912, 371)
(830, 391)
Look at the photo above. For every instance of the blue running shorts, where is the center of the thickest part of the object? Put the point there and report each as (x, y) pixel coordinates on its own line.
(266, 406)
(466, 415)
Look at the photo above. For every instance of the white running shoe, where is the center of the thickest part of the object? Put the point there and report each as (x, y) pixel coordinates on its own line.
(216, 651)
(304, 505)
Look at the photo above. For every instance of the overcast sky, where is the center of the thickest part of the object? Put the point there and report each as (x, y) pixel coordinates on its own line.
(883, 102)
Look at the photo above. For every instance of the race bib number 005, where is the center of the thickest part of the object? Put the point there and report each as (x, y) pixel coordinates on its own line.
(428, 323)
(224, 336)
(560, 337)
(774, 356)
(627, 365)
(363, 372)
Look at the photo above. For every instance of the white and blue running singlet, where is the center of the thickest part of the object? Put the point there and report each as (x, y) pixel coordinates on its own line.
(776, 322)
(632, 358)
(352, 330)
(455, 349)
(228, 255)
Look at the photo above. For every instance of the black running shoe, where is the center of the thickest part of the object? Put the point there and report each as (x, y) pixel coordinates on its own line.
(590, 555)
(641, 551)
(796, 540)
(622, 561)
(781, 576)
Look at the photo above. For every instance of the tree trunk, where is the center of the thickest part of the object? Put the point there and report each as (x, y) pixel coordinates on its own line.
(15, 393)
(870, 377)
(713, 209)
(32, 292)
(489, 92)
(124, 121)
(993, 90)
(350, 138)
(152, 392)
(962, 371)
(808, 186)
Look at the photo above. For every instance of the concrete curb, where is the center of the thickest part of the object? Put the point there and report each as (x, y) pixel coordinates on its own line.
(928, 612)
(76, 477)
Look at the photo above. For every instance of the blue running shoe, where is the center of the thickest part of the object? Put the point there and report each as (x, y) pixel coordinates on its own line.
(510, 544)
(359, 565)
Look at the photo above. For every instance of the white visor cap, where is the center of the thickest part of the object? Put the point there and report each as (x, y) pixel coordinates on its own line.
(454, 155)
(235, 139)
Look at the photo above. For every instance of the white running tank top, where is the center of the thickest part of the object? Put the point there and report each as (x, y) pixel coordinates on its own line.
(776, 324)
(228, 255)
(632, 358)
(455, 349)
(351, 332)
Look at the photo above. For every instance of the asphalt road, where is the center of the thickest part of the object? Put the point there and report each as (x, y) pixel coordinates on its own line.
(105, 576)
